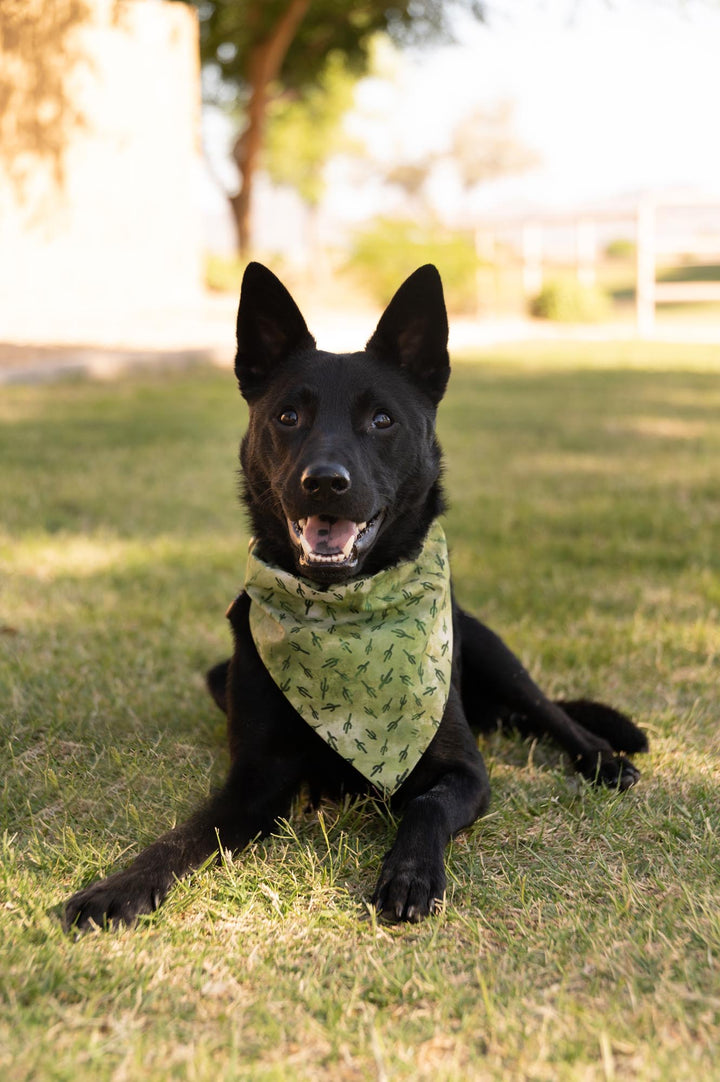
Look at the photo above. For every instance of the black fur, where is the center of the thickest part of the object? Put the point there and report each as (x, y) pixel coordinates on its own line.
(352, 436)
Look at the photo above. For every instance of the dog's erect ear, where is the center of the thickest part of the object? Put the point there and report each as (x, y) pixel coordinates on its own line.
(413, 332)
(269, 328)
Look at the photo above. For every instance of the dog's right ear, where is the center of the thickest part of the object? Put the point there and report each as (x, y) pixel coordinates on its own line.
(413, 332)
(269, 328)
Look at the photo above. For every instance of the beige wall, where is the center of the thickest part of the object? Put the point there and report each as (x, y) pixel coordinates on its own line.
(121, 230)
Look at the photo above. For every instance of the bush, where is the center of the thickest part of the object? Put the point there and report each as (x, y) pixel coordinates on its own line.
(223, 274)
(621, 249)
(383, 255)
(567, 301)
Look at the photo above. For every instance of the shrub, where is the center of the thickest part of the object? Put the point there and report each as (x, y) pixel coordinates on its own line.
(384, 254)
(223, 274)
(565, 300)
(621, 248)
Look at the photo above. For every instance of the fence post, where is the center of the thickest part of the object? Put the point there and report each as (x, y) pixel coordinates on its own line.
(486, 257)
(532, 258)
(586, 251)
(645, 277)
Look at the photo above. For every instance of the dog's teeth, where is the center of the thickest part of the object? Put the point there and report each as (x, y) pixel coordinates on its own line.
(348, 555)
(323, 558)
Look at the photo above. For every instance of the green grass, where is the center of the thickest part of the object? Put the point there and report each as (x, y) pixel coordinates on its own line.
(581, 935)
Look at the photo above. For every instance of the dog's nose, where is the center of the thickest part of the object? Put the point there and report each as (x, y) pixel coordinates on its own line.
(323, 479)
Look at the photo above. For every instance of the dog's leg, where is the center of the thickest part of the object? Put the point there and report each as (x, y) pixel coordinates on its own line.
(249, 804)
(490, 671)
(605, 721)
(447, 791)
(412, 878)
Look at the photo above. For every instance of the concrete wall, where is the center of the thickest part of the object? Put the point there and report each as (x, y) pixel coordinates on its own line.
(114, 226)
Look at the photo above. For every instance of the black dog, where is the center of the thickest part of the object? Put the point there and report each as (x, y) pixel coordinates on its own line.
(342, 483)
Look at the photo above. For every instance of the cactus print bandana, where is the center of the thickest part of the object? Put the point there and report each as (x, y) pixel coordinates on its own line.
(365, 664)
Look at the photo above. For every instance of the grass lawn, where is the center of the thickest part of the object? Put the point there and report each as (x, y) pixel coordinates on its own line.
(581, 936)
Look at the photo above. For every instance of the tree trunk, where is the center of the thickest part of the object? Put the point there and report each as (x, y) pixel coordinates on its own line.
(264, 66)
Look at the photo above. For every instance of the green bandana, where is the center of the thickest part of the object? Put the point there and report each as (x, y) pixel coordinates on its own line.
(366, 664)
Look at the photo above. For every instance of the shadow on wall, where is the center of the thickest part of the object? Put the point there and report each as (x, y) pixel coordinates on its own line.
(37, 109)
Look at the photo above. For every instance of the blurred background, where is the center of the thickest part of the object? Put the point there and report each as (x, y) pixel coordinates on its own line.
(557, 159)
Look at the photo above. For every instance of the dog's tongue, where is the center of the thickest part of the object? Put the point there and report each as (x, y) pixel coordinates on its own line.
(329, 536)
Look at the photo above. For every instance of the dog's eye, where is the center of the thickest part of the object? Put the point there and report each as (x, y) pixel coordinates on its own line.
(289, 418)
(382, 420)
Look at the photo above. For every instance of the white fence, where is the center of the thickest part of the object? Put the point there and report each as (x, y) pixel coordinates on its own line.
(667, 230)
(674, 245)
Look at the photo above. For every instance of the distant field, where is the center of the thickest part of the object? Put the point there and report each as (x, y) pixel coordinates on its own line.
(581, 935)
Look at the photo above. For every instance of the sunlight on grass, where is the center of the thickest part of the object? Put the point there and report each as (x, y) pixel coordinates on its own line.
(585, 354)
(81, 556)
(665, 427)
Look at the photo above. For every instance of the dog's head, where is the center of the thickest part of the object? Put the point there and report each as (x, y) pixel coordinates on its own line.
(340, 461)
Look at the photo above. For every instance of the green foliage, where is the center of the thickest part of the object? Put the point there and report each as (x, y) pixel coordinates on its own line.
(621, 249)
(232, 31)
(691, 272)
(565, 300)
(223, 274)
(303, 131)
(385, 253)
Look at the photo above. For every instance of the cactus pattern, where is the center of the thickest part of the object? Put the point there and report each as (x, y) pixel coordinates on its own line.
(361, 622)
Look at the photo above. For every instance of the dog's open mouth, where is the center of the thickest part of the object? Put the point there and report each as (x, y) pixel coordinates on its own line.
(329, 542)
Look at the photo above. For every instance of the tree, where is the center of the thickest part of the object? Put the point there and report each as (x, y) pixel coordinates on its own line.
(485, 147)
(302, 129)
(264, 47)
(38, 45)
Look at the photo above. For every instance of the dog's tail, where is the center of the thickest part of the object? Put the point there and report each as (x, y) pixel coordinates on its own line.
(216, 680)
(621, 733)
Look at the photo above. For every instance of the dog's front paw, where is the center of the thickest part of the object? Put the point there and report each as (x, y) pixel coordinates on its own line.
(409, 889)
(119, 899)
(608, 769)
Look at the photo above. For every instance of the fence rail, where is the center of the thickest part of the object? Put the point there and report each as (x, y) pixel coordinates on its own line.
(690, 292)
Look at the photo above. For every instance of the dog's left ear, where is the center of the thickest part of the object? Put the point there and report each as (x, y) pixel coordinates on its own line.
(270, 327)
(413, 332)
